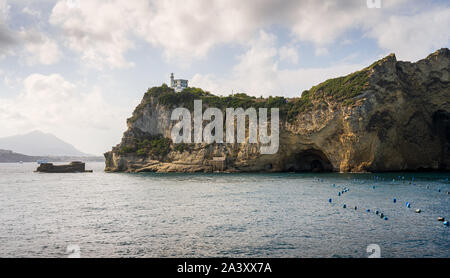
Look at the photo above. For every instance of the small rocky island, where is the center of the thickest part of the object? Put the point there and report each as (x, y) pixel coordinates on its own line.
(73, 167)
(390, 116)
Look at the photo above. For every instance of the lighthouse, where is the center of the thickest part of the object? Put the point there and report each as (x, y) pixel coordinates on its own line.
(178, 84)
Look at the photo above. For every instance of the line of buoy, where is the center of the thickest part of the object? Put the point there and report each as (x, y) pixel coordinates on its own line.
(407, 204)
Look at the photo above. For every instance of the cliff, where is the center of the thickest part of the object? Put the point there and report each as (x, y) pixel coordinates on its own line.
(390, 116)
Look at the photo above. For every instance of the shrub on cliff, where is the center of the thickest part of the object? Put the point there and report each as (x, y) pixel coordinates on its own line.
(157, 146)
(341, 90)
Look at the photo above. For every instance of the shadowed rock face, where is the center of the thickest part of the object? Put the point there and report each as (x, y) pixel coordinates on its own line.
(73, 167)
(398, 120)
(308, 161)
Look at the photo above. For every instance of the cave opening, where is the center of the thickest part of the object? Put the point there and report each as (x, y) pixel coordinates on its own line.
(312, 160)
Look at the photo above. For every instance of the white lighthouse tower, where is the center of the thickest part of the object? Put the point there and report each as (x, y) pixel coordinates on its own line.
(172, 81)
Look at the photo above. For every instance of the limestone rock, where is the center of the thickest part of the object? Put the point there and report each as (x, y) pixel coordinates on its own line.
(396, 119)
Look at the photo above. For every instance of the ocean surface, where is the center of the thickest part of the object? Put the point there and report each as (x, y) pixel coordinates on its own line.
(221, 215)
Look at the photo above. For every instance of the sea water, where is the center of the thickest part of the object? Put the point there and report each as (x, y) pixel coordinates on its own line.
(221, 215)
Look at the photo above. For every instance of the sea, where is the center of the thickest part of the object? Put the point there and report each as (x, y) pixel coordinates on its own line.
(281, 215)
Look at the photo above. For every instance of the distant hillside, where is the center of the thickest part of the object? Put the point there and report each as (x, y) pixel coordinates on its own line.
(37, 143)
(7, 156)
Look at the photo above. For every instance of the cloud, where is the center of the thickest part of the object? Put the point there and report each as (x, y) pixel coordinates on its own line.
(413, 37)
(104, 31)
(32, 44)
(31, 12)
(7, 39)
(39, 48)
(257, 73)
(289, 54)
(53, 104)
(100, 30)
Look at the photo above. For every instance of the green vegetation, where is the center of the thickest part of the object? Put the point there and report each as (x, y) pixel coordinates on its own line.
(127, 149)
(182, 147)
(155, 145)
(167, 96)
(341, 90)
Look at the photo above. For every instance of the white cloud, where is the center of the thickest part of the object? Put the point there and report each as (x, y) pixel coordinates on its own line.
(257, 73)
(413, 37)
(7, 39)
(320, 51)
(53, 104)
(4, 10)
(289, 54)
(32, 44)
(39, 48)
(104, 31)
(100, 30)
(29, 11)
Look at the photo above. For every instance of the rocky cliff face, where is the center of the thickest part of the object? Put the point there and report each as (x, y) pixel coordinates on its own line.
(390, 116)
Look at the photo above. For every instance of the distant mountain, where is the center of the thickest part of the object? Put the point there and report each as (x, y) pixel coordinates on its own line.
(7, 156)
(37, 143)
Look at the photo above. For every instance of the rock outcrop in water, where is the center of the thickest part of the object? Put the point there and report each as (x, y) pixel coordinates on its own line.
(72, 167)
(390, 116)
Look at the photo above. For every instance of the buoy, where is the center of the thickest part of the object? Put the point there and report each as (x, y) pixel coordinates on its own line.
(446, 223)
(395, 200)
(439, 190)
(418, 210)
(441, 219)
(344, 206)
(329, 200)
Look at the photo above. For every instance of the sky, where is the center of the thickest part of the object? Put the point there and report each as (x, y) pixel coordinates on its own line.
(77, 68)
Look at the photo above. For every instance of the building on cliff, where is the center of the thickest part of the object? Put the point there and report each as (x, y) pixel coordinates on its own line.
(218, 163)
(178, 84)
(391, 116)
